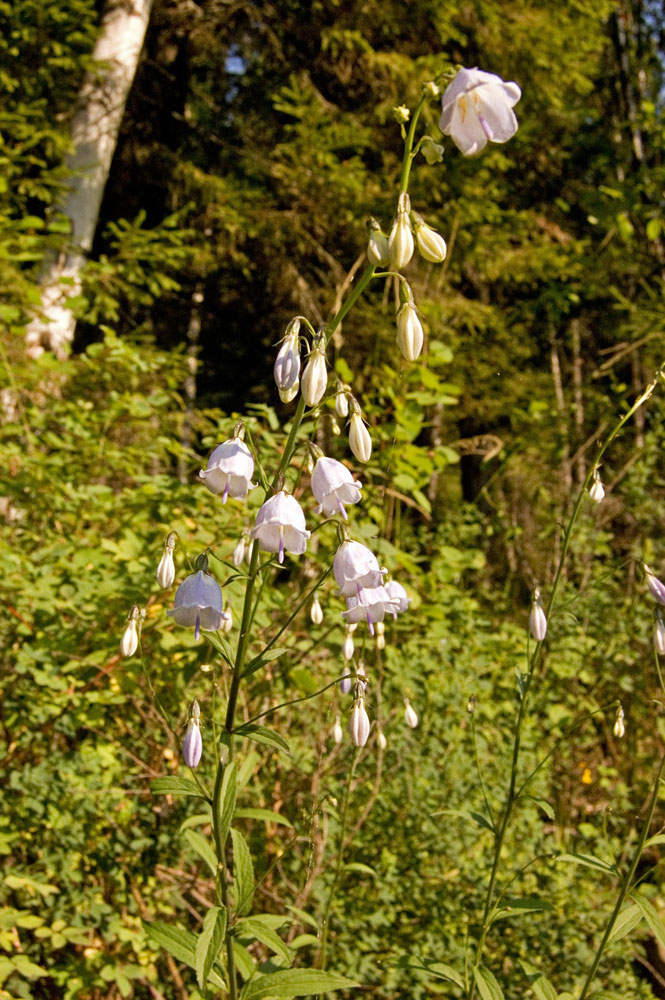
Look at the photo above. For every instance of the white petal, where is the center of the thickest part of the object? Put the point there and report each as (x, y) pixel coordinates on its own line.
(498, 114)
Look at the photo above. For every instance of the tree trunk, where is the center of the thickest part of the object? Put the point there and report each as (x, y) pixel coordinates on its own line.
(95, 128)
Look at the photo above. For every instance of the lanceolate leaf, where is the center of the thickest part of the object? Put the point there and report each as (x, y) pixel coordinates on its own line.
(175, 786)
(181, 944)
(261, 734)
(488, 987)
(243, 873)
(540, 984)
(255, 928)
(629, 918)
(202, 847)
(267, 815)
(653, 919)
(209, 943)
(295, 983)
(227, 800)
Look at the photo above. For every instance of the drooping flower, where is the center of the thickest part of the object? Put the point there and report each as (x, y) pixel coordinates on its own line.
(230, 469)
(431, 244)
(659, 633)
(377, 246)
(410, 334)
(315, 376)
(477, 108)
(410, 716)
(656, 586)
(399, 594)
(192, 744)
(198, 601)
(280, 526)
(287, 363)
(537, 618)
(333, 486)
(316, 611)
(337, 733)
(360, 441)
(130, 637)
(166, 568)
(400, 241)
(370, 605)
(356, 566)
(597, 490)
(359, 724)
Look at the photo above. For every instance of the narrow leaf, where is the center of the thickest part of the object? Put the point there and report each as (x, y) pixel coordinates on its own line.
(518, 907)
(243, 873)
(358, 866)
(175, 786)
(261, 660)
(627, 921)
(244, 960)
(540, 984)
(209, 942)
(589, 861)
(653, 919)
(442, 971)
(261, 734)
(295, 983)
(181, 944)
(267, 815)
(226, 803)
(254, 928)
(200, 846)
(488, 987)
(304, 917)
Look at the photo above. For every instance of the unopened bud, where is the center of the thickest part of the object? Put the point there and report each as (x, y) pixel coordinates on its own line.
(239, 551)
(537, 618)
(401, 114)
(337, 733)
(380, 638)
(431, 244)
(315, 376)
(659, 633)
(378, 252)
(316, 612)
(596, 490)
(360, 441)
(347, 646)
(359, 723)
(619, 724)
(410, 716)
(130, 637)
(345, 685)
(227, 621)
(400, 242)
(409, 332)
(341, 402)
(656, 586)
(381, 740)
(166, 568)
(192, 744)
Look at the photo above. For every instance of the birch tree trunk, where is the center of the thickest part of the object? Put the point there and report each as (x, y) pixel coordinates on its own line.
(95, 128)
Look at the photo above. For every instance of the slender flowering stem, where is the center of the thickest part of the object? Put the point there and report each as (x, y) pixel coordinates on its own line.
(296, 701)
(221, 887)
(408, 146)
(338, 866)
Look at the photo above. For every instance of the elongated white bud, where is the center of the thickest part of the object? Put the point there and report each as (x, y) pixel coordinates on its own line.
(619, 724)
(410, 716)
(166, 568)
(315, 376)
(337, 733)
(400, 242)
(597, 490)
(378, 252)
(345, 685)
(239, 551)
(316, 612)
(341, 402)
(130, 637)
(409, 332)
(656, 586)
(227, 622)
(381, 739)
(380, 638)
(347, 646)
(192, 744)
(659, 634)
(359, 724)
(537, 619)
(431, 245)
(360, 441)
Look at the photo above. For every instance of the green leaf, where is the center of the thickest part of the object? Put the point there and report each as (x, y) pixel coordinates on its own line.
(254, 927)
(540, 984)
(629, 918)
(589, 861)
(244, 960)
(518, 907)
(295, 983)
(264, 814)
(488, 987)
(200, 846)
(482, 820)
(243, 873)
(358, 866)
(442, 971)
(209, 942)
(179, 943)
(653, 919)
(544, 805)
(304, 917)
(263, 658)
(261, 734)
(175, 786)
(226, 802)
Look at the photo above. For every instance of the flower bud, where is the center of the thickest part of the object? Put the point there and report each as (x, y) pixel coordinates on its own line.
(378, 252)
(345, 685)
(432, 151)
(239, 551)
(380, 640)
(619, 723)
(347, 646)
(315, 376)
(537, 619)
(334, 426)
(227, 623)
(130, 637)
(337, 733)
(409, 332)
(431, 245)
(656, 586)
(316, 612)
(287, 364)
(596, 490)
(400, 242)
(360, 441)
(381, 740)
(341, 402)
(359, 723)
(410, 716)
(401, 114)
(659, 633)
(192, 745)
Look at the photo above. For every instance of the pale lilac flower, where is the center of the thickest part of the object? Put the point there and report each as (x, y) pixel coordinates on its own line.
(410, 716)
(537, 618)
(166, 568)
(359, 723)
(656, 586)
(130, 637)
(198, 603)
(477, 108)
(356, 566)
(192, 744)
(370, 605)
(659, 634)
(230, 470)
(377, 246)
(345, 685)
(287, 363)
(398, 593)
(280, 526)
(333, 486)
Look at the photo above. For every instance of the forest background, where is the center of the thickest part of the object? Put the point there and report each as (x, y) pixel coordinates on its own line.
(257, 141)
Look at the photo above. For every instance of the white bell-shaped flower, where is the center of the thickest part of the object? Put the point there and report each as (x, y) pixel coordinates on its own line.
(280, 526)
(230, 470)
(315, 376)
(477, 108)
(398, 594)
(537, 618)
(378, 251)
(359, 724)
(166, 568)
(198, 603)
(360, 441)
(370, 605)
(656, 586)
(431, 245)
(356, 566)
(410, 716)
(400, 242)
(409, 332)
(287, 363)
(333, 486)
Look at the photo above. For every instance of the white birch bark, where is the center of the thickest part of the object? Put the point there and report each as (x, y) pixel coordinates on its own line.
(95, 128)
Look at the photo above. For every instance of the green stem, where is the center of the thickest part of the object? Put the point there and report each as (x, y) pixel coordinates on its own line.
(408, 146)
(221, 888)
(626, 884)
(296, 701)
(338, 866)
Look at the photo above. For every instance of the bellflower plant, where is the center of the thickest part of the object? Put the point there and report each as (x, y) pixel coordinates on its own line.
(287, 363)
(333, 486)
(166, 568)
(192, 744)
(198, 601)
(280, 526)
(360, 441)
(230, 469)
